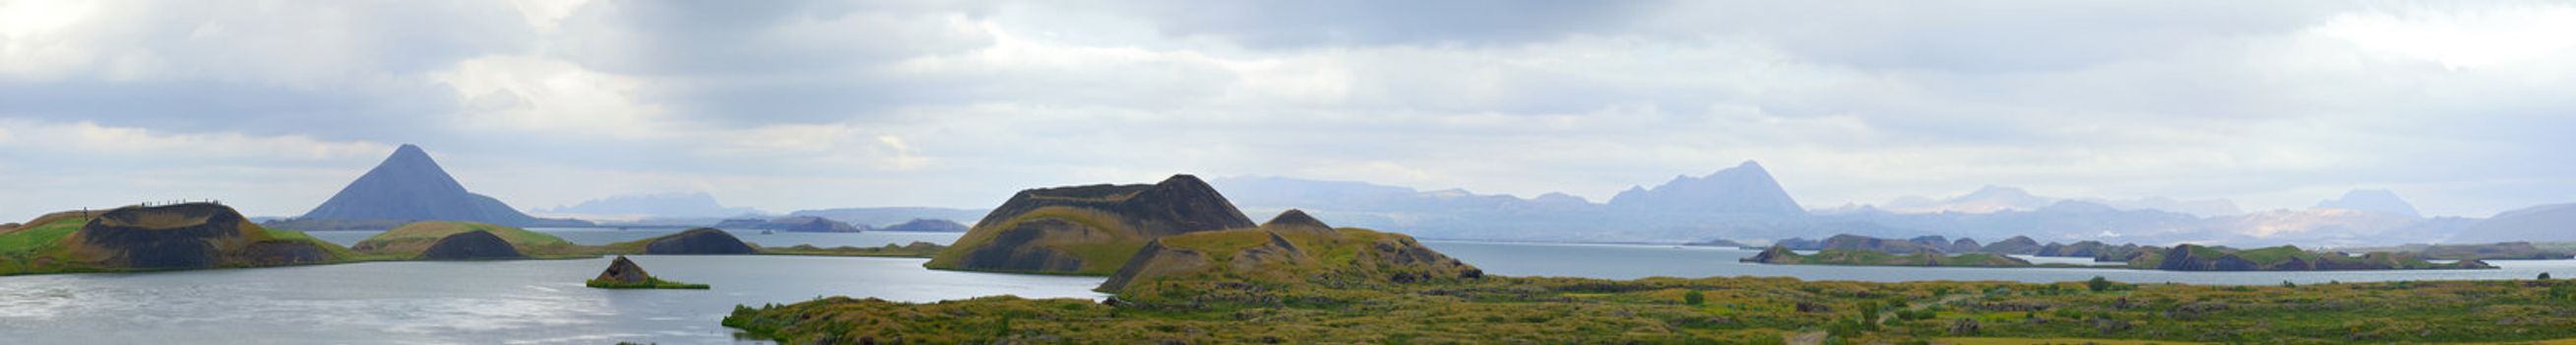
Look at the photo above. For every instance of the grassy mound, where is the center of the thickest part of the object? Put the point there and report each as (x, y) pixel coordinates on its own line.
(411, 239)
(54, 243)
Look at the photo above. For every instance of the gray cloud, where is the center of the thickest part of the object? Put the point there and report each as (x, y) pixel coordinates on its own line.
(787, 105)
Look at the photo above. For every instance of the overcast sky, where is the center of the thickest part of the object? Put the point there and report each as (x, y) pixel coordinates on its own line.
(2463, 108)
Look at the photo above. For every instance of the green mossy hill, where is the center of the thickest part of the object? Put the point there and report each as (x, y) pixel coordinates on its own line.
(916, 249)
(1525, 310)
(411, 240)
(2190, 257)
(1781, 255)
(166, 237)
(1087, 230)
(698, 241)
(1215, 267)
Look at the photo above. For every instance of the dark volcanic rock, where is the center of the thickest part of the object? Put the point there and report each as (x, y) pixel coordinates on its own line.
(927, 225)
(1179, 204)
(1094, 215)
(624, 271)
(1770, 255)
(409, 186)
(698, 241)
(471, 245)
(1297, 222)
(174, 236)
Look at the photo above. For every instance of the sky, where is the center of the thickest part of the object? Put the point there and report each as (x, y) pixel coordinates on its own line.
(2465, 109)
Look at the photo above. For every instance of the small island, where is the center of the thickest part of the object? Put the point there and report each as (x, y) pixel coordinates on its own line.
(624, 274)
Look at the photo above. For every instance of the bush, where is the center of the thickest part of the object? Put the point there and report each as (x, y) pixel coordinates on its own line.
(2099, 284)
(1694, 297)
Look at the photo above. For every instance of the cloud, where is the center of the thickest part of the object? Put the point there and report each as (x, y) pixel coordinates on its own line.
(807, 104)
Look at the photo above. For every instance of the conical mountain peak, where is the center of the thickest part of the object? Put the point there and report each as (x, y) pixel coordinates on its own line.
(1295, 220)
(410, 186)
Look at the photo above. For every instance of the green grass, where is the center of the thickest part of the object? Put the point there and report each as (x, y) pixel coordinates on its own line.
(1098, 257)
(1735, 310)
(649, 283)
(38, 237)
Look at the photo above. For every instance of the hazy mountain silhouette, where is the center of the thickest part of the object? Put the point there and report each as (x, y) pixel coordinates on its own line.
(668, 205)
(2374, 200)
(2544, 223)
(409, 186)
(1744, 189)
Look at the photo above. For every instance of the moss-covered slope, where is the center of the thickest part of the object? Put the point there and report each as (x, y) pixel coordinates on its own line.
(411, 240)
(1292, 252)
(1087, 230)
(179, 236)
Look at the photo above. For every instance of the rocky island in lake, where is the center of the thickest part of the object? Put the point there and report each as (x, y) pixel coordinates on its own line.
(625, 274)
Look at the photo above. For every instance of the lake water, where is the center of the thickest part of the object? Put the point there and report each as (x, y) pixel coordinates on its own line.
(493, 302)
(1622, 261)
(543, 302)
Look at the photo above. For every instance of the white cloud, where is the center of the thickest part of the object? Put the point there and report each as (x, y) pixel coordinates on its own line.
(539, 94)
(2475, 37)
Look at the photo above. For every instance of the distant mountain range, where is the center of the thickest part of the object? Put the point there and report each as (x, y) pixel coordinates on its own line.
(1991, 199)
(664, 205)
(1745, 203)
(2373, 200)
(2544, 223)
(891, 216)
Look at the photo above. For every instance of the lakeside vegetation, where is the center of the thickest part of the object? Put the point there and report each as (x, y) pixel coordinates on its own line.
(1729, 310)
(50, 245)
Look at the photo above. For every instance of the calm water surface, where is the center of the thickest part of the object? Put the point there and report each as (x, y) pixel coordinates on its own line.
(1621, 261)
(543, 302)
(494, 302)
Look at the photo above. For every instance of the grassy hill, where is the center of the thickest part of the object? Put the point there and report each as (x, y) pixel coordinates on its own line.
(1087, 230)
(137, 238)
(411, 239)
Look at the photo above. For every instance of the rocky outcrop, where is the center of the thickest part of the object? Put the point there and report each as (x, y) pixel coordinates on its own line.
(409, 186)
(471, 245)
(2017, 245)
(1296, 221)
(190, 235)
(2084, 249)
(927, 225)
(1857, 242)
(624, 271)
(1774, 255)
(1267, 256)
(791, 224)
(1087, 229)
(1964, 245)
(698, 241)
